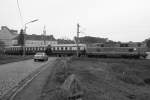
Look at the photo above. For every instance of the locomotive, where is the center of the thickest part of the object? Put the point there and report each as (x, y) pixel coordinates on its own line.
(90, 50)
(116, 51)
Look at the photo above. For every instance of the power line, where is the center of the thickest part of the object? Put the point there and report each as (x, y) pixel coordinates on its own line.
(21, 18)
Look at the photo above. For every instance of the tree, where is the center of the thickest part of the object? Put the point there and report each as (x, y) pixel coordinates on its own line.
(90, 39)
(148, 43)
(21, 38)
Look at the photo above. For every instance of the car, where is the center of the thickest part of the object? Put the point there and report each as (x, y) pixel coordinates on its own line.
(40, 56)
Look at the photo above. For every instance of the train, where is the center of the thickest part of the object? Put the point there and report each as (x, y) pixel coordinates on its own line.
(90, 50)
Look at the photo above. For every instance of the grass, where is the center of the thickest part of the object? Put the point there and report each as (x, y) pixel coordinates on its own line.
(104, 79)
(4, 59)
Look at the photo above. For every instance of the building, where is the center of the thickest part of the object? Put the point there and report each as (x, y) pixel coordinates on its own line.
(6, 35)
(36, 40)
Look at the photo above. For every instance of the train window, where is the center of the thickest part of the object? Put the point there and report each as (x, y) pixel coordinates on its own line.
(81, 48)
(68, 48)
(74, 48)
(56, 48)
(65, 48)
(124, 45)
(61, 48)
(102, 45)
(131, 50)
(98, 45)
(98, 50)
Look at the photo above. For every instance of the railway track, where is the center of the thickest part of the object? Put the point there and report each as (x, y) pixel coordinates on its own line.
(10, 95)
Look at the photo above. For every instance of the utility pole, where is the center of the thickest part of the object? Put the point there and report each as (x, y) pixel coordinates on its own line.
(77, 39)
(44, 35)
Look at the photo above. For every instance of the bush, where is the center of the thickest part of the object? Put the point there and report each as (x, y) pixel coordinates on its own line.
(131, 80)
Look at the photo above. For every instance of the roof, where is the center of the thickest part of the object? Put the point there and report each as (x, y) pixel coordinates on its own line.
(67, 45)
(7, 34)
(13, 32)
(37, 37)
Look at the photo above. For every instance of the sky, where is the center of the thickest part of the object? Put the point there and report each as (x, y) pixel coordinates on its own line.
(118, 20)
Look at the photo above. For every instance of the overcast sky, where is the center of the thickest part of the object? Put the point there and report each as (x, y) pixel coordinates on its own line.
(119, 20)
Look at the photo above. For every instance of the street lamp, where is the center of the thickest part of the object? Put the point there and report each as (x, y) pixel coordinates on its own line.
(25, 33)
(29, 23)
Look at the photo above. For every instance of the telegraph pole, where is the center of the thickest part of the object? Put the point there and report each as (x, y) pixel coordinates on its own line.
(44, 35)
(77, 39)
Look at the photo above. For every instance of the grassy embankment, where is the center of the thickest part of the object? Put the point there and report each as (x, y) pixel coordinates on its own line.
(8, 59)
(102, 79)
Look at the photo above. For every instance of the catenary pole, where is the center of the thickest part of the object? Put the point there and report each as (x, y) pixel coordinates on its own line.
(77, 39)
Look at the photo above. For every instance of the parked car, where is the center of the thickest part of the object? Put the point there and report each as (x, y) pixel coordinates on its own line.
(40, 56)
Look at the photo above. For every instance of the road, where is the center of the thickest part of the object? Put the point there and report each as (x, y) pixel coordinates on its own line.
(33, 90)
(12, 73)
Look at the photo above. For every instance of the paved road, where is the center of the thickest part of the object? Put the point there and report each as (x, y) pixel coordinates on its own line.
(33, 90)
(12, 73)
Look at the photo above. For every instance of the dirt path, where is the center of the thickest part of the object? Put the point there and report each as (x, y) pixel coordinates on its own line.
(33, 90)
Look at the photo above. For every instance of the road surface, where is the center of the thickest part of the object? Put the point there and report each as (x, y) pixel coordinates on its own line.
(12, 73)
(33, 90)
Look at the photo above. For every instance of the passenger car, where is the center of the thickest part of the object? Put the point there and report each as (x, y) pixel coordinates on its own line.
(40, 56)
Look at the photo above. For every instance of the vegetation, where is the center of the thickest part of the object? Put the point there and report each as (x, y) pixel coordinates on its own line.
(21, 38)
(64, 41)
(89, 39)
(102, 79)
(148, 43)
(86, 39)
(4, 59)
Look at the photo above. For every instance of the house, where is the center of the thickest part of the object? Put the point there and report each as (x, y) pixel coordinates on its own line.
(6, 35)
(36, 40)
